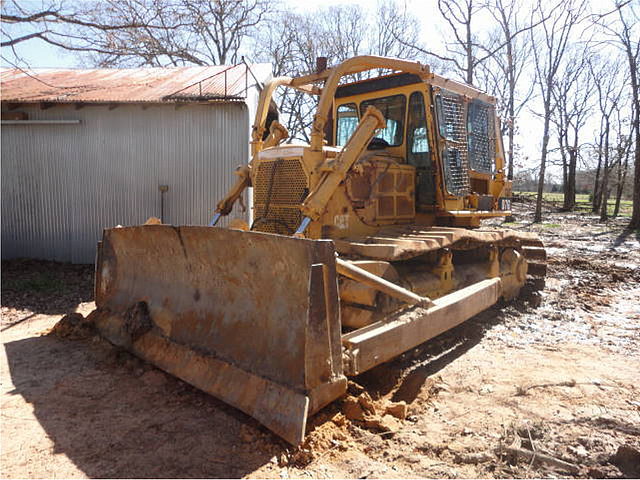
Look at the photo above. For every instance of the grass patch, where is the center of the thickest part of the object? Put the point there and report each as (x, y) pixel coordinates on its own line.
(551, 225)
(583, 202)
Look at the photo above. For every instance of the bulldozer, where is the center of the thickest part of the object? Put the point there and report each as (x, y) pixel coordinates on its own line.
(366, 242)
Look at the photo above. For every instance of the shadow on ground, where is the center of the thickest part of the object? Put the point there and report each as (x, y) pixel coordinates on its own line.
(114, 416)
(625, 234)
(31, 287)
(405, 376)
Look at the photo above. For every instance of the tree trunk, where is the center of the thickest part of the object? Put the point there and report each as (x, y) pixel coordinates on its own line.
(605, 199)
(570, 190)
(469, 44)
(622, 179)
(635, 216)
(595, 200)
(563, 157)
(511, 135)
(635, 92)
(604, 189)
(512, 95)
(565, 175)
(543, 166)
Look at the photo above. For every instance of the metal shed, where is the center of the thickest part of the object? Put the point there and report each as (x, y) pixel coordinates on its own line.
(83, 150)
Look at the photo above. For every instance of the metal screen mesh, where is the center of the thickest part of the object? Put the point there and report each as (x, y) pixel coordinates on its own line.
(280, 187)
(481, 136)
(451, 113)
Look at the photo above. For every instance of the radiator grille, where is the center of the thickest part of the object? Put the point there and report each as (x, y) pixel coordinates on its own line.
(279, 188)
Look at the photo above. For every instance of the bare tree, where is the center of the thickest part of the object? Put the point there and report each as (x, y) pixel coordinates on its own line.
(394, 21)
(293, 45)
(629, 38)
(598, 152)
(621, 26)
(572, 92)
(461, 50)
(501, 74)
(45, 23)
(609, 83)
(337, 32)
(548, 53)
(143, 32)
(622, 150)
(465, 50)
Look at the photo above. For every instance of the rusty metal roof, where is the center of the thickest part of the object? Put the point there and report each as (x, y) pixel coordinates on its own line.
(131, 85)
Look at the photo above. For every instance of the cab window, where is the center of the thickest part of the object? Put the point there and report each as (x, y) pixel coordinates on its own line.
(347, 121)
(393, 109)
(417, 141)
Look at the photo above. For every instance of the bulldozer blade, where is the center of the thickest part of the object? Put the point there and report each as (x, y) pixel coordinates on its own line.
(250, 318)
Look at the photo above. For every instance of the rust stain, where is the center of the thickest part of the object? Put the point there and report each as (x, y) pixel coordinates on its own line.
(130, 85)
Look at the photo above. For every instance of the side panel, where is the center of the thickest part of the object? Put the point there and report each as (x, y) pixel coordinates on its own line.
(63, 184)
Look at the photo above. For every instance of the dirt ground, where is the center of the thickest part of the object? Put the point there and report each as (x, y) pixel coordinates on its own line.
(556, 373)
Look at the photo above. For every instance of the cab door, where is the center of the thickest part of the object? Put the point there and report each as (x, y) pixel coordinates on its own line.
(418, 151)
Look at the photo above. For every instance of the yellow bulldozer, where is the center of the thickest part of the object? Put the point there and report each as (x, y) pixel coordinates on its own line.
(365, 243)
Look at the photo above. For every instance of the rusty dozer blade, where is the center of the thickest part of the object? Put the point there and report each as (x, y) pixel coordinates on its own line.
(250, 318)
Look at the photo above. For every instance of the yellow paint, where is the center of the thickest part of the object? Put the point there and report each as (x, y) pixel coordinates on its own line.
(378, 177)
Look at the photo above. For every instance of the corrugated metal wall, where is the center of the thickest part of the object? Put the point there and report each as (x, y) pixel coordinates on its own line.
(62, 184)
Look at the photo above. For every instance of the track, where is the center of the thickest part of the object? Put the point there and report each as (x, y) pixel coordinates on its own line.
(436, 261)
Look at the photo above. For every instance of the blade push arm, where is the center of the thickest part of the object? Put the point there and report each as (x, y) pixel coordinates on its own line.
(358, 274)
(226, 204)
(277, 133)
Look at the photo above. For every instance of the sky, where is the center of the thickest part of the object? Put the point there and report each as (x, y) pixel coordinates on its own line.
(38, 54)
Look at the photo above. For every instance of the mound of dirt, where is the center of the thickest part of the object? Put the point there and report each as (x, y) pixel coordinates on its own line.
(73, 326)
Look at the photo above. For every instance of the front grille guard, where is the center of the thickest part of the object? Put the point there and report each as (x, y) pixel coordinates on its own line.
(280, 188)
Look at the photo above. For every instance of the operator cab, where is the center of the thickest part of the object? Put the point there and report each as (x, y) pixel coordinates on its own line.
(423, 123)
